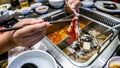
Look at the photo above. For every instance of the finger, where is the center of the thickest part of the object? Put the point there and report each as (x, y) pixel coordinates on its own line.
(76, 7)
(71, 1)
(76, 3)
(32, 34)
(40, 37)
(73, 5)
(22, 20)
(28, 21)
(31, 20)
(31, 29)
(35, 28)
(31, 40)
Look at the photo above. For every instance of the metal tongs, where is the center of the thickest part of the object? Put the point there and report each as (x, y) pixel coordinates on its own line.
(112, 28)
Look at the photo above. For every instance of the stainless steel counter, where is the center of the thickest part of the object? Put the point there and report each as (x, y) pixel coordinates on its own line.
(103, 17)
(96, 16)
(98, 63)
(102, 58)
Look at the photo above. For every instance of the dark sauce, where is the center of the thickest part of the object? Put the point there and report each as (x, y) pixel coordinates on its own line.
(110, 5)
(29, 65)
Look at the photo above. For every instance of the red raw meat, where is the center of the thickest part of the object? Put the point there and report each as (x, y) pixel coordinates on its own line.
(73, 30)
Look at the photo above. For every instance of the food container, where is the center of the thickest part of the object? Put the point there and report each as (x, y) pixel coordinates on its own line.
(33, 59)
(114, 62)
(87, 3)
(35, 5)
(25, 11)
(24, 3)
(4, 14)
(56, 3)
(4, 63)
(76, 53)
(38, 1)
(42, 9)
(5, 6)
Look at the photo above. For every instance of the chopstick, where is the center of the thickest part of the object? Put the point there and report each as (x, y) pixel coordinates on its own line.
(60, 21)
(51, 22)
(9, 29)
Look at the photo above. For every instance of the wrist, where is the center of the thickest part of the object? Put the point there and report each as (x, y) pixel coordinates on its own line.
(6, 42)
(9, 40)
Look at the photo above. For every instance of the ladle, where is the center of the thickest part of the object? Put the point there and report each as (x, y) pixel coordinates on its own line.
(114, 27)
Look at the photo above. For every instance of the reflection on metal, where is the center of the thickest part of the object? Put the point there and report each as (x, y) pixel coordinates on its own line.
(99, 16)
(108, 48)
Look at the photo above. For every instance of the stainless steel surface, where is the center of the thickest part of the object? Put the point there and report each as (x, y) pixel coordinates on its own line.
(100, 16)
(112, 28)
(65, 63)
(110, 45)
(116, 53)
(62, 45)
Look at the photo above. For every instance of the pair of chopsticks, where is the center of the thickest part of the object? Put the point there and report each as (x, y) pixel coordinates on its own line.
(51, 22)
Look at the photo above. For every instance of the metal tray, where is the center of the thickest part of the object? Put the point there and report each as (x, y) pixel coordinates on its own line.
(89, 24)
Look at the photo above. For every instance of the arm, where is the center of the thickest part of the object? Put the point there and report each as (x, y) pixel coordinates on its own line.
(5, 42)
(33, 32)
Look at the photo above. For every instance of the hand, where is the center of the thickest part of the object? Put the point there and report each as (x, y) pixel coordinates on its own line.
(72, 6)
(33, 32)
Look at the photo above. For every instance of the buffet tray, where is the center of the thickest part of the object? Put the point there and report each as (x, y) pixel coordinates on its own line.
(116, 53)
(88, 24)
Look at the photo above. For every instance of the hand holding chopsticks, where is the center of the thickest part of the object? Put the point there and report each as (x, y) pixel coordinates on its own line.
(30, 34)
(52, 22)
